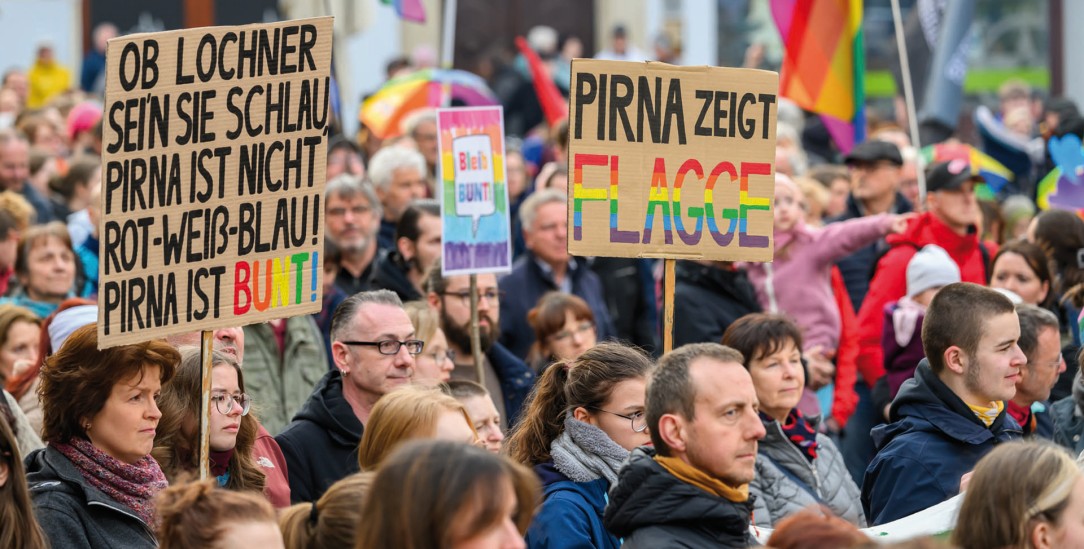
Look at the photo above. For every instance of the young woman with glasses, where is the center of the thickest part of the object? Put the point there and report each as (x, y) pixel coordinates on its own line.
(233, 427)
(564, 327)
(582, 420)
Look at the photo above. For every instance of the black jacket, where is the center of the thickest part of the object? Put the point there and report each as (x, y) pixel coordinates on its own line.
(707, 300)
(390, 274)
(321, 443)
(651, 508)
(75, 514)
(630, 297)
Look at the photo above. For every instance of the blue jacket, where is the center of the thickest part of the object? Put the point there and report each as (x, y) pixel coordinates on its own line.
(527, 282)
(571, 514)
(934, 438)
(857, 267)
(516, 379)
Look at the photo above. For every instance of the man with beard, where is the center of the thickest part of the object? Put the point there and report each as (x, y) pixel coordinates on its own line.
(352, 217)
(507, 378)
(952, 413)
(417, 246)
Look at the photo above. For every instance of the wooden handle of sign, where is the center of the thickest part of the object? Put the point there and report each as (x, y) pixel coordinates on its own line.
(206, 356)
(475, 335)
(668, 305)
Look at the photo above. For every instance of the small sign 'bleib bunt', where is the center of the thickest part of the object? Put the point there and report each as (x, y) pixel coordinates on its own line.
(214, 159)
(476, 232)
(674, 162)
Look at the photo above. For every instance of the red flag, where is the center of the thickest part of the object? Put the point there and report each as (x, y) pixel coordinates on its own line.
(554, 105)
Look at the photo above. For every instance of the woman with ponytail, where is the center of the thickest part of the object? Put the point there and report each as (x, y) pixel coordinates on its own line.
(582, 420)
(332, 520)
(199, 515)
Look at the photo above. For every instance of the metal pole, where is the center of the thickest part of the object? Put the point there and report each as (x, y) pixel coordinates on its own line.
(909, 98)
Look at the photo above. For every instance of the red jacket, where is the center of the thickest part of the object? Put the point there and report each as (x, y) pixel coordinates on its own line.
(269, 458)
(845, 399)
(890, 280)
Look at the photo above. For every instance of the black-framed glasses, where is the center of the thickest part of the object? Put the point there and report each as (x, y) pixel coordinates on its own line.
(580, 328)
(391, 346)
(638, 420)
(493, 295)
(225, 403)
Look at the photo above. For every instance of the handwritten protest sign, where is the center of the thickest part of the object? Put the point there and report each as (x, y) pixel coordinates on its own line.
(671, 161)
(214, 147)
(474, 201)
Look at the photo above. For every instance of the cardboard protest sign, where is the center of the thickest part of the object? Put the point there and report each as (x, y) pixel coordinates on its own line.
(214, 159)
(669, 161)
(476, 230)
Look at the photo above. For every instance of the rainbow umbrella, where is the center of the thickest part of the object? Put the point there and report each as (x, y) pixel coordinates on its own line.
(995, 175)
(399, 97)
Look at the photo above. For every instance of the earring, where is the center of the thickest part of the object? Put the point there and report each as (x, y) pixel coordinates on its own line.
(86, 427)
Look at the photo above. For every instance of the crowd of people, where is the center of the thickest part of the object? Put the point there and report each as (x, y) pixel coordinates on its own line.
(901, 349)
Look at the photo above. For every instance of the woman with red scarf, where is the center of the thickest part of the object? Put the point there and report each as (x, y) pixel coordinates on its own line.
(94, 483)
(796, 466)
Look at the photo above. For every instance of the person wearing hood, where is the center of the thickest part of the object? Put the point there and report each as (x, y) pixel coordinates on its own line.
(797, 467)
(953, 412)
(692, 486)
(417, 246)
(584, 418)
(374, 348)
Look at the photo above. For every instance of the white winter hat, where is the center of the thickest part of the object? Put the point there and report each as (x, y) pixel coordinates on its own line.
(931, 267)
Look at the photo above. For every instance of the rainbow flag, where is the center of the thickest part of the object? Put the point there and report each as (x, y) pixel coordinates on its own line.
(994, 174)
(408, 10)
(824, 63)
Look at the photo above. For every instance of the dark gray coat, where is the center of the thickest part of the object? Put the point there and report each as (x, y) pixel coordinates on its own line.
(778, 496)
(75, 514)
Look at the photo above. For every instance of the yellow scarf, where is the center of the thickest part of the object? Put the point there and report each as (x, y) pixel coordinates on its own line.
(987, 414)
(691, 475)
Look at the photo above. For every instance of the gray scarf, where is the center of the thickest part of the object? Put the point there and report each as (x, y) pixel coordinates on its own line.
(584, 453)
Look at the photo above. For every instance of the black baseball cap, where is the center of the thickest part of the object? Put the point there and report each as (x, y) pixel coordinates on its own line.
(869, 152)
(949, 176)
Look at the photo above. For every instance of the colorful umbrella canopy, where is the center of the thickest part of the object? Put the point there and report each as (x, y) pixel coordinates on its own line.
(995, 175)
(383, 111)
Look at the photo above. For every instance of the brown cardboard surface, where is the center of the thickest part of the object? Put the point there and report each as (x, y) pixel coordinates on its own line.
(213, 168)
(668, 161)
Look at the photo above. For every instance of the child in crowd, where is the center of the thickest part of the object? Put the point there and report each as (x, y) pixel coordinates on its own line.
(798, 280)
(928, 271)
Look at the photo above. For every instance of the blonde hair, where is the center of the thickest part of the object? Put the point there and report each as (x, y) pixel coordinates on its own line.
(1016, 486)
(424, 319)
(408, 413)
(331, 521)
(197, 513)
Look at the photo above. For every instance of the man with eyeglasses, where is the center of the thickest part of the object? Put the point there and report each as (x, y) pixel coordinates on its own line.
(373, 347)
(1040, 339)
(352, 216)
(507, 378)
(547, 267)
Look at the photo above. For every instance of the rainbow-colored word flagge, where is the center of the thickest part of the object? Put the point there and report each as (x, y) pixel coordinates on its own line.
(671, 161)
(476, 231)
